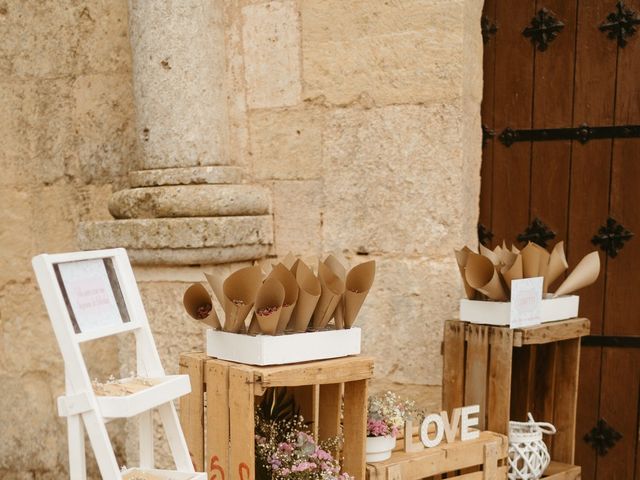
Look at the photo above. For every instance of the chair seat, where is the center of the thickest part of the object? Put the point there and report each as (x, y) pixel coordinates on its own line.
(165, 390)
(153, 474)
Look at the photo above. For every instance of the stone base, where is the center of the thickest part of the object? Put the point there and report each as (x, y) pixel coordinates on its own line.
(197, 256)
(190, 201)
(218, 174)
(182, 241)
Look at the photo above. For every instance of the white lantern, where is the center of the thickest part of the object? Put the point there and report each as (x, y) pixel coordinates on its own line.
(528, 454)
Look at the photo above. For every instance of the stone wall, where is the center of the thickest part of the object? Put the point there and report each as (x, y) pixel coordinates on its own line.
(362, 117)
(66, 124)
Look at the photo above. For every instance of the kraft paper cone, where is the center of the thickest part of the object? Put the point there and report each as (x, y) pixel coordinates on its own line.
(254, 328)
(507, 258)
(583, 275)
(515, 249)
(215, 282)
(241, 287)
(196, 297)
(462, 257)
(308, 296)
(269, 300)
(481, 275)
(337, 267)
(557, 266)
(289, 260)
(543, 260)
(513, 272)
(332, 289)
(484, 251)
(266, 265)
(530, 260)
(288, 281)
(359, 282)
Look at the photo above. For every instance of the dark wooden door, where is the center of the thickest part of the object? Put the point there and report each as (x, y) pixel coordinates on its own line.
(578, 64)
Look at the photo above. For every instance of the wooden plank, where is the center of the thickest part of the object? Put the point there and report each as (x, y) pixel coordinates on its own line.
(487, 107)
(513, 108)
(217, 415)
(329, 414)
(453, 365)
(500, 473)
(490, 467)
(552, 332)
(444, 459)
(565, 401)
(476, 369)
(241, 414)
(595, 85)
(522, 382)
(542, 405)
(306, 398)
(553, 108)
(355, 428)
(337, 370)
(622, 300)
(618, 406)
(561, 471)
(588, 408)
(499, 393)
(192, 407)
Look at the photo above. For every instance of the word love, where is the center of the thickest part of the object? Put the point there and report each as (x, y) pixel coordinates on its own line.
(437, 426)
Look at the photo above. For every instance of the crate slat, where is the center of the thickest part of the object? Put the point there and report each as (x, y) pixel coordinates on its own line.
(217, 418)
(481, 458)
(355, 428)
(453, 350)
(566, 400)
(241, 420)
(552, 332)
(192, 408)
(499, 389)
(475, 386)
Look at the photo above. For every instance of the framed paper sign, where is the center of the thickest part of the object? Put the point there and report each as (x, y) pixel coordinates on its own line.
(92, 294)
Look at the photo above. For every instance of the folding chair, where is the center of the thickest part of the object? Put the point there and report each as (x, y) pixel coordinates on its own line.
(92, 295)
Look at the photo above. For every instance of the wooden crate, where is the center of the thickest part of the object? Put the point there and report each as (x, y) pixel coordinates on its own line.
(481, 459)
(562, 471)
(512, 372)
(218, 415)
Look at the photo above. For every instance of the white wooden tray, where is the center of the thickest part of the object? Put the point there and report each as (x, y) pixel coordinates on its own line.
(499, 313)
(282, 349)
(169, 388)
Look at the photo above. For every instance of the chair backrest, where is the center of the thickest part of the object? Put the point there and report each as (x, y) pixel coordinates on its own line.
(91, 295)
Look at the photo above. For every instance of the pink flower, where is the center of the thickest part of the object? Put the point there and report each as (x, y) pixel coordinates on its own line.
(377, 428)
(303, 467)
(285, 447)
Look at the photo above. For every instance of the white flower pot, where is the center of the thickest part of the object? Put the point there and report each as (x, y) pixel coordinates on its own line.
(380, 448)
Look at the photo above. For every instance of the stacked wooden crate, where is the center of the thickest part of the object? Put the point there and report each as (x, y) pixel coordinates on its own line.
(510, 372)
(218, 416)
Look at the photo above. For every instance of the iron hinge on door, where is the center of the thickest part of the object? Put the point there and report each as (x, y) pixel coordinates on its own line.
(583, 134)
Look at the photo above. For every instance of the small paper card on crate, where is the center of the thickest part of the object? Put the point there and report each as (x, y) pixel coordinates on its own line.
(526, 302)
(283, 349)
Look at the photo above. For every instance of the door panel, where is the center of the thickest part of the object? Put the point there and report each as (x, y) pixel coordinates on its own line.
(512, 106)
(582, 77)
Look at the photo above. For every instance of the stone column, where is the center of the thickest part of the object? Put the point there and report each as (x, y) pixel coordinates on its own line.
(186, 203)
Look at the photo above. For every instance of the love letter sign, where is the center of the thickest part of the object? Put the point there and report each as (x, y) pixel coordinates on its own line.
(437, 426)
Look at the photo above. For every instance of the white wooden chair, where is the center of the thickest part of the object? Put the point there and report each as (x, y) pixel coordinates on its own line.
(91, 295)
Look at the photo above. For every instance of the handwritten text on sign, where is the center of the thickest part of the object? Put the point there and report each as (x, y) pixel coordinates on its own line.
(90, 294)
